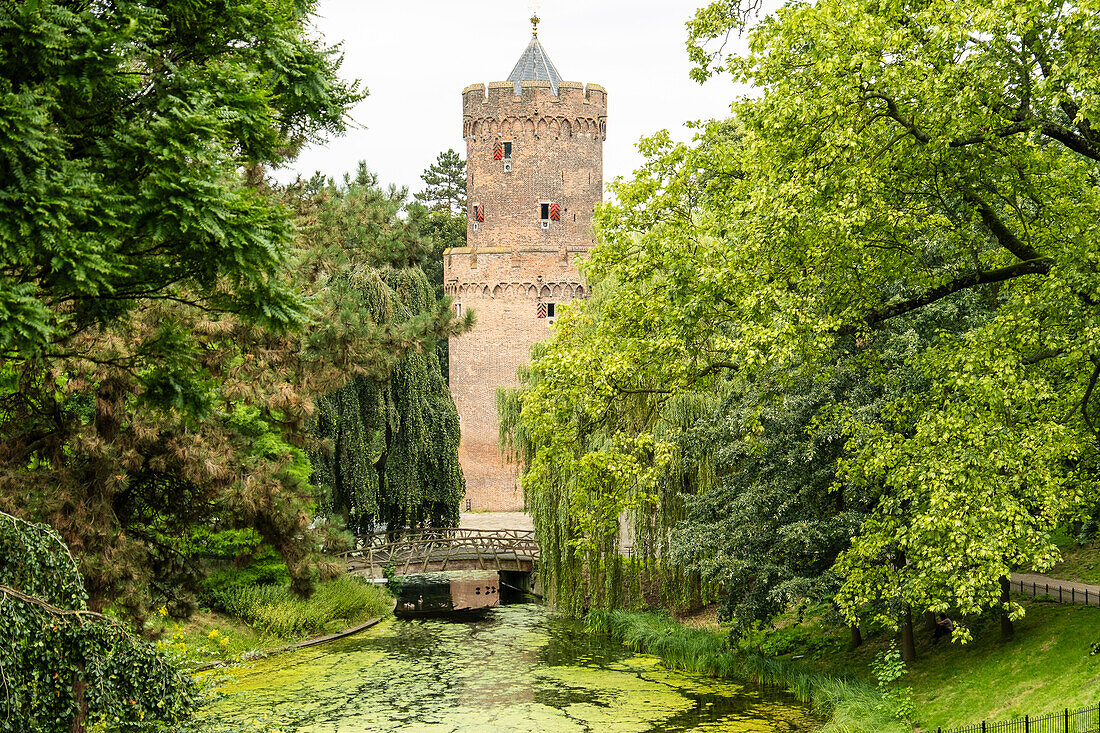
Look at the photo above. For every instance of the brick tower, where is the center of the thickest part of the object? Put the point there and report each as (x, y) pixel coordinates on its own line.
(534, 174)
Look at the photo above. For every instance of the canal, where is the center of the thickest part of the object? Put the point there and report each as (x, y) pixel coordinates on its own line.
(517, 669)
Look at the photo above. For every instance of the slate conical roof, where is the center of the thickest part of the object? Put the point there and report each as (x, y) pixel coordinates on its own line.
(535, 65)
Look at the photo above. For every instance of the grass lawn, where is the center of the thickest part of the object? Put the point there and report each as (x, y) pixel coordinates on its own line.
(1045, 668)
(1079, 562)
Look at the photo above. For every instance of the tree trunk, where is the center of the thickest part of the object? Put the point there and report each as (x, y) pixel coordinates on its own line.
(1007, 630)
(930, 622)
(908, 647)
(857, 638)
(81, 700)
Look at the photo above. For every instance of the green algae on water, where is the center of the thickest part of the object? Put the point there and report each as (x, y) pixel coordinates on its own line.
(517, 669)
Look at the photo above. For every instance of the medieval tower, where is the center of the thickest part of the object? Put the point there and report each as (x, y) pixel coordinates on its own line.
(534, 174)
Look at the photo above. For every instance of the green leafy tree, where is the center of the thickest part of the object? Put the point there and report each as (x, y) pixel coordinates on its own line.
(899, 159)
(898, 156)
(441, 218)
(445, 184)
(390, 453)
(124, 130)
(597, 425)
(146, 294)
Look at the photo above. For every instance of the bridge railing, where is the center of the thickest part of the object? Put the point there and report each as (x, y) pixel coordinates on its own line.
(417, 550)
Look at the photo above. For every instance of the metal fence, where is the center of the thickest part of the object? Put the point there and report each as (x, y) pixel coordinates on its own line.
(1060, 593)
(1084, 720)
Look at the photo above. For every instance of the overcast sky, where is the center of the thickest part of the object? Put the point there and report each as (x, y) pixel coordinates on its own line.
(416, 56)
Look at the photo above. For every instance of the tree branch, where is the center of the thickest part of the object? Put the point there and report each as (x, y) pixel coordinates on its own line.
(1007, 131)
(1004, 235)
(1039, 266)
(1088, 396)
(52, 609)
(893, 113)
(1075, 142)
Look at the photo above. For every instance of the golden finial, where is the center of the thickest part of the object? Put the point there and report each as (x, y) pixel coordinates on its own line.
(534, 24)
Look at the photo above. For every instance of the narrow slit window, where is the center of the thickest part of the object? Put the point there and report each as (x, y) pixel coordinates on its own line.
(550, 310)
(544, 211)
(508, 150)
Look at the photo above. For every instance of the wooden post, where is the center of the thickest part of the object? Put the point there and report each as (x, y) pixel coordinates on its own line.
(1027, 727)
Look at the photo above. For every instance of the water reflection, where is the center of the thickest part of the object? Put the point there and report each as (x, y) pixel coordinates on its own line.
(518, 669)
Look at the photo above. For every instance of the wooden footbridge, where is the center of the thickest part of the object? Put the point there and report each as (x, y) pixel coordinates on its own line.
(416, 551)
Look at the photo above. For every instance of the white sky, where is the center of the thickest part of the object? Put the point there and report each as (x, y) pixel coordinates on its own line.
(416, 56)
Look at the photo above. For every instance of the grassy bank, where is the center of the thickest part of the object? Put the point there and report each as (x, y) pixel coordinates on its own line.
(1046, 667)
(245, 620)
(848, 704)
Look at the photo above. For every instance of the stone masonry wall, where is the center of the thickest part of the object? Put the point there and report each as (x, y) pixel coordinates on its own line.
(512, 264)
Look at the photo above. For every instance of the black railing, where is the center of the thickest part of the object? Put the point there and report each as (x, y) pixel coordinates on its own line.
(1057, 591)
(1085, 720)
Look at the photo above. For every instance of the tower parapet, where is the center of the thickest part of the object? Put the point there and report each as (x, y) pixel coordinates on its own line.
(534, 174)
(496, 109)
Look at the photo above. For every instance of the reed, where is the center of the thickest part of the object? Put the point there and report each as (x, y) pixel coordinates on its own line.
(274, 610)
(849, 706)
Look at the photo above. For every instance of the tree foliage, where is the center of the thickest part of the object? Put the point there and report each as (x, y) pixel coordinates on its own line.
(389, 456)
(444, 225)
(899, 159)
(903, 156)
(445, 184)
(123, 129)
(163, 333)
(63, 665)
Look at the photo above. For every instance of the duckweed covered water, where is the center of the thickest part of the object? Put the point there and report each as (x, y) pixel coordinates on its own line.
(518, 669)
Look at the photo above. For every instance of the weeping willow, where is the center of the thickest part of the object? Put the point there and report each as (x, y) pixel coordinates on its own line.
(391, 435)
(603, 470)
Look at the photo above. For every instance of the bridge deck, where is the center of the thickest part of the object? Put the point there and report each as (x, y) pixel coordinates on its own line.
(450, 548)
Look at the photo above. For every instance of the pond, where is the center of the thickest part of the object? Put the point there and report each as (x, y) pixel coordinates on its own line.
(517, 669)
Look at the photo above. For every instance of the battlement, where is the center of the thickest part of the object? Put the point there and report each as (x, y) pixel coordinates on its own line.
(498, 100)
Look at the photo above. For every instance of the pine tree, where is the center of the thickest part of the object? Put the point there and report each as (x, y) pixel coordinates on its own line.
(445, 184)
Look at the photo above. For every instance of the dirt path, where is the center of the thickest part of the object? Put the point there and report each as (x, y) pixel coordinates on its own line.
(1063, 591)
(495, 520)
